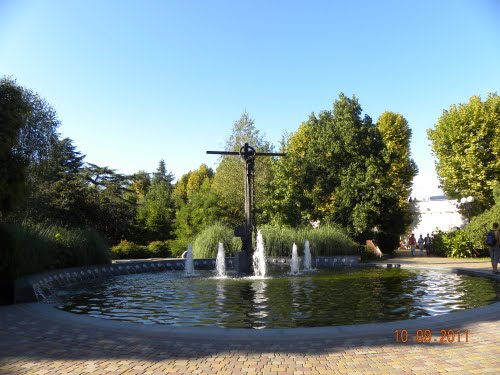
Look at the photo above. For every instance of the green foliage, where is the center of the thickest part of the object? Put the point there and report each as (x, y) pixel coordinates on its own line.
(454, 244)
(66, 192)
(130, 250)
(39, 247)
(481, 224)
(13, 110)
(279, 240)
(396, 135)
(197, 178)
(200, 211)
(158, 249)
(39, 131)
(206, 244)
(326, 240)
(140, 184)
(228, 182)
(338, 169)
(157, 212)
(465, 142)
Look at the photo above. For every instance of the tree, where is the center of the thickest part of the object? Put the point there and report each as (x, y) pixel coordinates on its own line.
(13, 111)
(162, 175)
(396, 135)
(57, 192)
(197, 178)
(157, 212)
(200, 211)
(141, 183)
(197, 206)
(107, 203)
(335, 170)
(229, 177)
(180, 193)
(465, 144)
(39, 131)
(12, 177)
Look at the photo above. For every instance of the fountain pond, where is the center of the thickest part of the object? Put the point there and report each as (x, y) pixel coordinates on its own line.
(321, 298)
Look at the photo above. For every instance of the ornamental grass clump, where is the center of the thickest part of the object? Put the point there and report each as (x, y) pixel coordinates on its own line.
(207, 242)
(39, 247)
(327, 240)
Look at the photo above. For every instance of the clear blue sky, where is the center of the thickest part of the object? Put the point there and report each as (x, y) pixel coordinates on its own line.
(137, 81)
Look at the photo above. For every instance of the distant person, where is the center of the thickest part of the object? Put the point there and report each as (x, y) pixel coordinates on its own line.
(412, 242)
(493, 241)
(427, 243)
(421, 245)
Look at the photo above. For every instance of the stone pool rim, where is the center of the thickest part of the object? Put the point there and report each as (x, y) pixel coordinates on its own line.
(454, 320)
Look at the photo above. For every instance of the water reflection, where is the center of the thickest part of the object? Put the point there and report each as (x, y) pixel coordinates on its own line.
(320, 299)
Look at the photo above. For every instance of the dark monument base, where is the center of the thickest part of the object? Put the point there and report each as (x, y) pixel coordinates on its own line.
(241, 264)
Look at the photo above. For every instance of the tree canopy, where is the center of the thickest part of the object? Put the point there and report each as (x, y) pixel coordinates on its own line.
(13, 110)
(229, 177)
(337, 169)
(466, 144)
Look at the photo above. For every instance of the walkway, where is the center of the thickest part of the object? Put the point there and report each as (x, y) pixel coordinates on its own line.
(38, 339)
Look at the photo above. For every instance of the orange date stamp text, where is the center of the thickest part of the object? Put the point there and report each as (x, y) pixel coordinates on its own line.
(445, 336)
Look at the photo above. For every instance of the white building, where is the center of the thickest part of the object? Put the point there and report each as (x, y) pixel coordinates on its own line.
(437, 213)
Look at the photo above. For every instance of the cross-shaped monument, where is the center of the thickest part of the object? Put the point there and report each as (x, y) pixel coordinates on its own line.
(247, 153)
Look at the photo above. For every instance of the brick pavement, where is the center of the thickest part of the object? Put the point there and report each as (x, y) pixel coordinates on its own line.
(38, 339)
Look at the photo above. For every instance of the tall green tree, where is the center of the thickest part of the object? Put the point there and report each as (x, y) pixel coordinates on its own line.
(229, 177)
(162, 175)
(336, 170)
(141, 181)
(199, 211)
(396, 135)
(13, 110)
(197, 178)
(12, 179)
(465, 142)
(108, 206)
(39, 131)
(156, 214)
(58, 189)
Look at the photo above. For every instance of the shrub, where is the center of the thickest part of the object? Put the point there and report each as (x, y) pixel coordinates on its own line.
(158, 249)
(480, 225)
(454, 244)
(177, 246)
(129, 250)
(460, 243)
(206, 243)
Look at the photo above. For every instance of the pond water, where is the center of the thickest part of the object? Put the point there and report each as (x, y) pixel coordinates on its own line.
(322, 298)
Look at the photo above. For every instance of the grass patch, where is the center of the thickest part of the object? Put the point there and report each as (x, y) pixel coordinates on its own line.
(327, 240)
(206, 243)
(37, 248)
